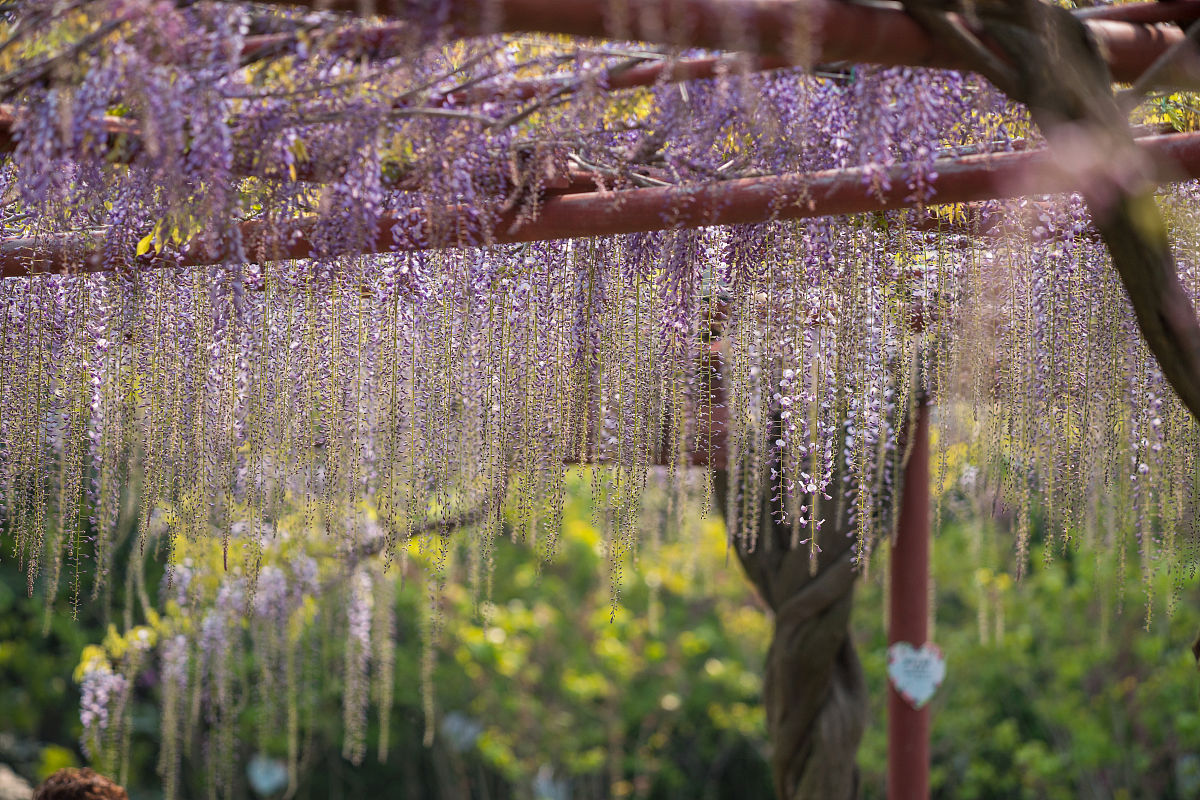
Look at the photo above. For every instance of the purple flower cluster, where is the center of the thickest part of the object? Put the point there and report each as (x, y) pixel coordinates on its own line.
(100, 690)
(368, 392)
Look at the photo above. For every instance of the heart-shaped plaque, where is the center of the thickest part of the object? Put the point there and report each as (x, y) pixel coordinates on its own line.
(916, 673)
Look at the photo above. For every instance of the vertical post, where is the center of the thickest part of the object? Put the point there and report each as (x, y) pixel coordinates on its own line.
(908, 727)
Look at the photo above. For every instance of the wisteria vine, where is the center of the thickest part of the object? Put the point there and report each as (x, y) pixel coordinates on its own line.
(373, 401)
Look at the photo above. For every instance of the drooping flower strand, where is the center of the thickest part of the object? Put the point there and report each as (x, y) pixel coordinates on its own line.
(265, 421)
(92, 376)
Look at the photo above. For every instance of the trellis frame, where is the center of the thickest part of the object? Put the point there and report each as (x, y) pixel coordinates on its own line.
(777, 32)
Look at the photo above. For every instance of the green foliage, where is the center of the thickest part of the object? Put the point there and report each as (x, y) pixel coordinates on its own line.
(38, 700)
(546, 682)
(657, 688)
(639, 682)
(1052, 689)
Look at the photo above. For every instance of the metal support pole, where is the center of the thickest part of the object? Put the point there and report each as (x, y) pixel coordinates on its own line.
(908, 727)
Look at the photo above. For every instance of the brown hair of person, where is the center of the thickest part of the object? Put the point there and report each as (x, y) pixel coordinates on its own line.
(79, 784)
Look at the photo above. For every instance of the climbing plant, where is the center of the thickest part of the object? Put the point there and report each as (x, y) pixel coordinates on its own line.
(289, 294)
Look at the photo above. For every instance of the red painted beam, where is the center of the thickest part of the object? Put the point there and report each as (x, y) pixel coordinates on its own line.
(908, 619)
(734, 202)
(1172, 11)
(125, 134)
(1131, 49)
(804, 33)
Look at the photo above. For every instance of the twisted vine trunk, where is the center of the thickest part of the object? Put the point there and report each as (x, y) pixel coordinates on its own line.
(813, 689)
(1039, 54)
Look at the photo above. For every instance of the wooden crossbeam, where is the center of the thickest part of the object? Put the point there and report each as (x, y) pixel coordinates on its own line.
(734, 202)
(803, 32)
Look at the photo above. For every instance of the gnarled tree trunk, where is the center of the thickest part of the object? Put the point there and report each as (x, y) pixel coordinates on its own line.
(814, 692)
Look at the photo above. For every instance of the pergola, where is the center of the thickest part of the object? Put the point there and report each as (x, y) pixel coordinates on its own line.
(1145, 44)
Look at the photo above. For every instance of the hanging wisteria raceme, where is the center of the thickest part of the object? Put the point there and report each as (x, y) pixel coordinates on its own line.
(461, 384)
(411, 381)
(425, 381)
(284, 431)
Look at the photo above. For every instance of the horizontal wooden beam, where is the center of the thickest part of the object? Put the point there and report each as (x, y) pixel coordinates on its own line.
(776, 33)
(733, 202)
(1171, 11)
(125, 142)
(804, 32)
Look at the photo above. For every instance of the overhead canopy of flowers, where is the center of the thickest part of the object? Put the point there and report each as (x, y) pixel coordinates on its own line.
(393, 270)
(275, 240)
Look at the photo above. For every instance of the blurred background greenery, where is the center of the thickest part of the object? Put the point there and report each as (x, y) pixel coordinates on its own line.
(552, 689)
